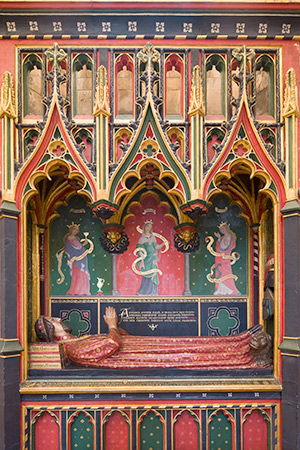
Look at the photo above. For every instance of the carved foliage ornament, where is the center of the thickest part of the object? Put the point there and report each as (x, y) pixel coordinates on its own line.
(101, 105)
(196, 102)
(7, 99)
(290, 104)
(148, 54)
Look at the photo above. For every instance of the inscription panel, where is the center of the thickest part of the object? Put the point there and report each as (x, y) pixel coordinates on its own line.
(158, 316)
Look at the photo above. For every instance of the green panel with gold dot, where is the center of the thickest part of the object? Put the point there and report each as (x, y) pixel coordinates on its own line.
(151, 432)
(220, 432)
(82, 432)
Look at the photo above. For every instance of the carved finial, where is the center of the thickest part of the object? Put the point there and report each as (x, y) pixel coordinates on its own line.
(101, 105)
(56, 55)
(196, 102)
(243, 54)
(290, 104)
(7, 99)
(148, 54)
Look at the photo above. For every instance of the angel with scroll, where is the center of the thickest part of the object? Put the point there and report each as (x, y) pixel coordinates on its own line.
(75, 250)
(147, 257)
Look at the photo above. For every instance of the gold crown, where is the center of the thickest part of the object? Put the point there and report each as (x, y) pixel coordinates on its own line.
(148, 221)
(73, 225)
(221, 224)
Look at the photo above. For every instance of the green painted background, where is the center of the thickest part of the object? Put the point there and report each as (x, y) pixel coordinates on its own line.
(100, 262)
(201, 261)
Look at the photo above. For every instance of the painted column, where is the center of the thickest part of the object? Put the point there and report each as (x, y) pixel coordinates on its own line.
(290, 115)
(102, 113)
(187, 290)
(255, 228)
(290, 347)
(10, 348)
(196, 113)
(114, 291)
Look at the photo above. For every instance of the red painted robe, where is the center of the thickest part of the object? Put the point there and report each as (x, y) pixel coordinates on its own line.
(115, 351)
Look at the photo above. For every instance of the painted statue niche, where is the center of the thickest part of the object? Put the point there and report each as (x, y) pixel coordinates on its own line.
(147, 268)
(76, 253)
(33, 86)
(124, 89)
(82, 85)
(214, 138)
(235, 85)
(77, 259)
(176, 137)
(215, 87)
(220, 266)
(84, 139)
(174, 87)
(121, 141)
(264, 88)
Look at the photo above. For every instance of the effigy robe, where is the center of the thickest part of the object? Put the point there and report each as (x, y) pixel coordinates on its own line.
(115, 351)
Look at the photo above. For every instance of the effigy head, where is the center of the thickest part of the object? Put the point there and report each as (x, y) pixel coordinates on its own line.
(261, 346)
(44, 329)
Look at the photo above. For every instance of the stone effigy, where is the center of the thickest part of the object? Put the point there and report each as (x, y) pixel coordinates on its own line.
(118, 350)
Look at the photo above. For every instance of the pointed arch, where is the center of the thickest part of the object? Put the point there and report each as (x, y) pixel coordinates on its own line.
(112, 439)
(42, 152)
(265, 88)
(165, 155)
(186, 430)
(124, 86)
(46, 431)
(256, 430)
(261, 159)
(33, 88)
(221, 430)
(81, 428)
(82, 92)
(174, 87)
(151, 430)
(215, 73)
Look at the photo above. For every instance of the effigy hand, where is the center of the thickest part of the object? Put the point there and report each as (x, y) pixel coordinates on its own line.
(110, 317)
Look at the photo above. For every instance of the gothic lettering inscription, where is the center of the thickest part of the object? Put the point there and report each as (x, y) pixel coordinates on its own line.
(160, 316)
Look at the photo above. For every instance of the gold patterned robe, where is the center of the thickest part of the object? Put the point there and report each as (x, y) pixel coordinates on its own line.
(116, 351)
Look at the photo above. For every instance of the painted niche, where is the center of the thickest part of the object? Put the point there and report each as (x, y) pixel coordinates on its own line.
(219, 267)
(82, 85)
(147, 267)
(77, 260)
(32, 86)
(124, 91)
(215, 86)
(174, 87)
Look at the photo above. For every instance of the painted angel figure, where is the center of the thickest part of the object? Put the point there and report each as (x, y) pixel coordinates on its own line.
(146, 263)
(221, 271)
(75, 250)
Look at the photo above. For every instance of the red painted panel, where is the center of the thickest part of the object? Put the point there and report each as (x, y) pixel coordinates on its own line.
(46, 433)
(255, 432)
(186, 432)
(116, 432)
(171, 281)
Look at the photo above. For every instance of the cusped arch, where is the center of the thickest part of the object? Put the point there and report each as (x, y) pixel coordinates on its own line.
(163, 155)
(51, 149)
(254, 157)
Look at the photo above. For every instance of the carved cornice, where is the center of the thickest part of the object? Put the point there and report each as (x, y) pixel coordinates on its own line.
(101, 105)
(290, 104)
(7, 98)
